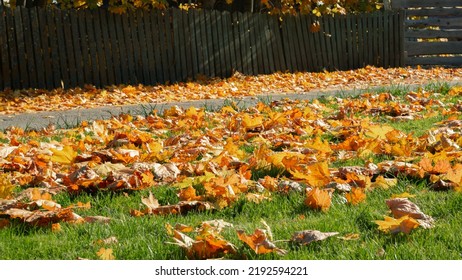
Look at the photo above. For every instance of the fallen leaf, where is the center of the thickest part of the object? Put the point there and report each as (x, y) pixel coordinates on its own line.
(66, 155)
(404, 224)
(105, 254)
(318, 199)
(107, 241)
(356, 196)
(258, 241)
(305, 237)
(349, 236)
(401, 207)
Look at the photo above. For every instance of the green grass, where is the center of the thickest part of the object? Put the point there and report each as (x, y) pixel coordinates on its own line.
(146, 237)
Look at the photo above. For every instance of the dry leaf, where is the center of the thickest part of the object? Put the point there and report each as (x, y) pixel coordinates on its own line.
(349, 236)
(404, 224)
(64, 156)
(356, 196)
(105, 254)
(305, 237)
(55, 227)
(401, 207)
(318, 199)
(107, 241)
(259, 242)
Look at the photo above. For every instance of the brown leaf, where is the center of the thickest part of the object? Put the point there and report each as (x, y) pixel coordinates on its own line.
(97, 219)
(401, 207)
(305, 237)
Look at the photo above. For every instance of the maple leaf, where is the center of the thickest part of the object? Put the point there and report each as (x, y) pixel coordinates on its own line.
(305, 237)
(318, 199)
(356, 196)
(319, 174)
(258, 241)
(403, 207)
(384, 183)
(404, 224)
(64, 156)
(6, 187)
(105, 254)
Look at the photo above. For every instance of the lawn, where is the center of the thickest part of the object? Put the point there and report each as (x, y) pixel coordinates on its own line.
(198, 183)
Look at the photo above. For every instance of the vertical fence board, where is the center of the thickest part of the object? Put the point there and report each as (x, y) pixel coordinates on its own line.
(150, 64)
(381, 42)
(245, 44)
(128, 53)
(77, 50)
(209, 32)
(157, 47)
(177, 45)
(270, 45)
(102, 48)
(386, 47)
(20, 44)
(188, 54)
(115, 61)
(92, 48)
(109, 53)
(236, 41)
(83, 40)
(135, 46)
(193, 33)
(29, 47)
(4, 56)
(219, 44)
(299, 45)
(228, 49)
(206, 67)
(72, 71)
(54, 50)
(62, 50)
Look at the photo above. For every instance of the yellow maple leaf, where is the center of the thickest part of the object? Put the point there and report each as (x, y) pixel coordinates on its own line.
(404, 224)
(105, 254)
(64, 156)
(319, 175)
(384, 183)
(6, 187)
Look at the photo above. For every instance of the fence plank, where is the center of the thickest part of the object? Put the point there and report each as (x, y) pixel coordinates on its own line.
(61, 50)
(150, 63)
(400, 4)
(442, 22)
(115, 61)
(300, 45)
(178, 46)
(29, 47)
(54, 49)
(429, 48)
(90, 22)
(188, 39)
(245, 44)
(271, 46)
(218, 44)
(195, 20)
(210, 35)
(20, 44)
(228, 46)
(195, 42)
(5, 82)
(330, 35)
(109, 51)
(432, 34)
(66, 28)
(76, 47)
(157, 47)
(439, 12)
(435, 60)
(101, 48)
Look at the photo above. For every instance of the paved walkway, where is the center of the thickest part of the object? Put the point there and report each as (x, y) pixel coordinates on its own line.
(72, 118)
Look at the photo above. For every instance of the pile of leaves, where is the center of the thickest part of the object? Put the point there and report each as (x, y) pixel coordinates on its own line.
(32, 100)
(213, 159)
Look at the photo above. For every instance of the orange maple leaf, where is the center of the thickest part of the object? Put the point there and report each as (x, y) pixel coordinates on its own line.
(356, 196)
(259, 242)
(318, 199)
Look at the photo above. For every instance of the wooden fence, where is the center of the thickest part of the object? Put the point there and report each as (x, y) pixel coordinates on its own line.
(433, 31)
(50, 48)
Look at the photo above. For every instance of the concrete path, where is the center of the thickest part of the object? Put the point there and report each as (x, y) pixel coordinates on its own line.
(72, 118)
